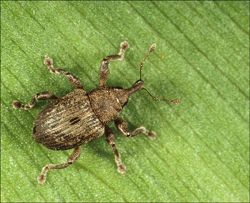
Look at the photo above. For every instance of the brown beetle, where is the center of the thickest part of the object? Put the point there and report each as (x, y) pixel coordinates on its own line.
(80, 116)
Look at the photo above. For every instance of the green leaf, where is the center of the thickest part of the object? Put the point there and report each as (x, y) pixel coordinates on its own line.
(202, 148)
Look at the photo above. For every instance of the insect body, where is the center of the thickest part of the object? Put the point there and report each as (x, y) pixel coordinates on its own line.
(68, 122)
(80, 116)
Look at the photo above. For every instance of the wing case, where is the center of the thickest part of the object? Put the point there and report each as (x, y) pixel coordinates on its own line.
(67, 122)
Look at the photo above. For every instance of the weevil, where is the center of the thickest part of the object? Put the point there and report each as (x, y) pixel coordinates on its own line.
(72, 120)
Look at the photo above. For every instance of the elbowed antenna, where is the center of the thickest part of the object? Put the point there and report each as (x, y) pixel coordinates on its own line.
(140, 83)
(170, 101)
(150, 50)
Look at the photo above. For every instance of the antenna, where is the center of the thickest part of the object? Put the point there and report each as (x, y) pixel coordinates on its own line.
(169, 101)
(150, 50)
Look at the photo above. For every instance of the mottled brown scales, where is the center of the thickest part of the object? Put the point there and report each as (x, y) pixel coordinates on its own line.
(79, 117)
(107, 102)
(54, 127)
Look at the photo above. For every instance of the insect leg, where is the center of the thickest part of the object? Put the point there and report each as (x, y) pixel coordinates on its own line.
(111, 141)
(72, 79)
(104, 69)
(72, 158)
(123, 128)
(40, 96)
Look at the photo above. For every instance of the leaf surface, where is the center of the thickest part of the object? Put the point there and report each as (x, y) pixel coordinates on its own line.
(202, 148)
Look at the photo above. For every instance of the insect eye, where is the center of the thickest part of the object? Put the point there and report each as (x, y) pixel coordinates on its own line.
(139, 82)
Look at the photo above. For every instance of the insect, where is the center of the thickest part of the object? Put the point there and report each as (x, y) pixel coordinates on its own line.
(72, 120)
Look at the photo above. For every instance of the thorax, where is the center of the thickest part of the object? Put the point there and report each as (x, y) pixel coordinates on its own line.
(105, 104)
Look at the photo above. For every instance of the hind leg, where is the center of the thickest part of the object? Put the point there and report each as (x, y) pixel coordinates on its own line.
(72, 158)
(40, 96)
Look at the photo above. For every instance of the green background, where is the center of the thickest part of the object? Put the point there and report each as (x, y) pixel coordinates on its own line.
(202, 148)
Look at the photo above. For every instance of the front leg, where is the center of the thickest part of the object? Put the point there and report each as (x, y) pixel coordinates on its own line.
(104, 69)
(111, 141)
(123, 128)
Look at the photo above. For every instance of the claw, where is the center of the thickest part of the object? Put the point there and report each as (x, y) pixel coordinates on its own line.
(41, 179)
(47, 60)
(121, 169)
(16, 104)
(152, 135)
